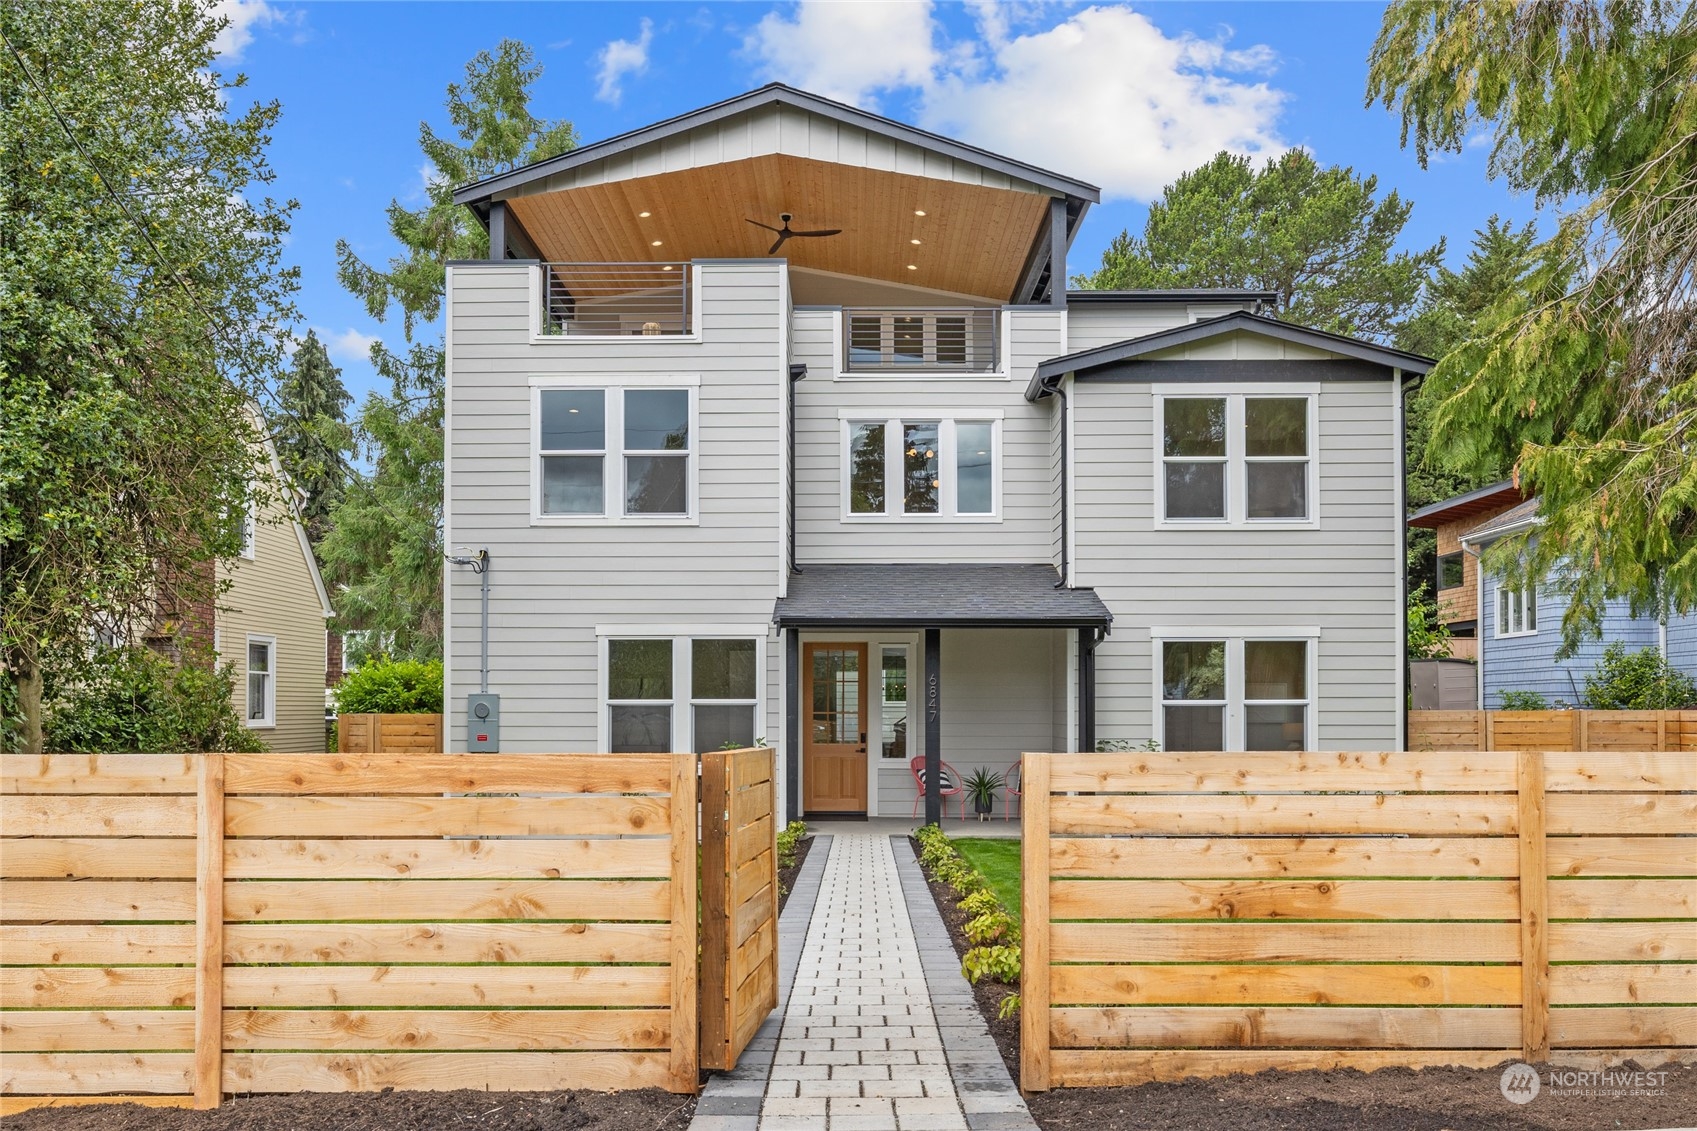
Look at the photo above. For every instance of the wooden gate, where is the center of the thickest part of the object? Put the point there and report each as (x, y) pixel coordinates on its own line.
(739, 901)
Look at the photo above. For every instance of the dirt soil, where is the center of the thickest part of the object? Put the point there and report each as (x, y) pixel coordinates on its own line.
(786, 876)
(1391, 1099)
(646, 1110)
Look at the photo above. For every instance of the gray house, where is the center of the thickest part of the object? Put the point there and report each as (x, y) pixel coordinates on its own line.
(778, 424)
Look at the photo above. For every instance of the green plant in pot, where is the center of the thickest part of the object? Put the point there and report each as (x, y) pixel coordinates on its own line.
(981, 786)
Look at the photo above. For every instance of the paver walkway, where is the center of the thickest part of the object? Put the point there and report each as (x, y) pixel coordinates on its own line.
(879, 1031)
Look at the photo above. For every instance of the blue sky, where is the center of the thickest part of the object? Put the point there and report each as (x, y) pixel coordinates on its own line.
(1125, 95)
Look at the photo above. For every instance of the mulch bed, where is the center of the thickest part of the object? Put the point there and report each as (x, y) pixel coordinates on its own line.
(646, 1110)
(1391, 1099)
(786, 876)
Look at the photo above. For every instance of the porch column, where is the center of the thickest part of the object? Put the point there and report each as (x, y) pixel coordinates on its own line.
(792, 724)
(1086, 690)
(933, 726)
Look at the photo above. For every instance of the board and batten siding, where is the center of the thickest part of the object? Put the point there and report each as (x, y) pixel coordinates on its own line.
(551, 586)
(1025, 531)
(1342, 577)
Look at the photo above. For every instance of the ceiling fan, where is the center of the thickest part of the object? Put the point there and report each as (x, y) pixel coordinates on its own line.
(785, 233)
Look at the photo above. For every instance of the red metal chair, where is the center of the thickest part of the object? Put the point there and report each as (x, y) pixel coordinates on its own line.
(948, 783)
(1010, 792)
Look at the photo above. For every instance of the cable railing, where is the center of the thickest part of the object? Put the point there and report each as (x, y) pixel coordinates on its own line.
(615, 299)
(935, 339)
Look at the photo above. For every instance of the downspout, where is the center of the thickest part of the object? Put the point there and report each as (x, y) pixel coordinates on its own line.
(1066, 565)
(798, 372)
(1478, 615)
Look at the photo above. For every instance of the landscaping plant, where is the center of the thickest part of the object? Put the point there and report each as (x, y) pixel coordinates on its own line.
(789, 838)
(981, 786)
(1638, 681)
(392, 687)
(993, 932)
(1522, 701)
(134, 701)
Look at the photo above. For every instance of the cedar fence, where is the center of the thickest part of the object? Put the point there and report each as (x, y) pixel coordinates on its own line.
(389, 734)
(1553, 730)
(739, 887)
(189, 926)
(1204, 914)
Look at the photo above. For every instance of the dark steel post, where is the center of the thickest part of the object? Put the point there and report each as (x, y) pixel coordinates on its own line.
(792, 724)
(933, 726)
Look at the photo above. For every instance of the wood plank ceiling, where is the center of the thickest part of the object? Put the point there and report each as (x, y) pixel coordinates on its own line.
(971, 239)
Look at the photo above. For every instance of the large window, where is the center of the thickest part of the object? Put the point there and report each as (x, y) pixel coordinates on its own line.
(1235, 694)
(1236, 458)
(614, 453)
(1517, 611)
(664, 693)
(261, 681)
(920, 467)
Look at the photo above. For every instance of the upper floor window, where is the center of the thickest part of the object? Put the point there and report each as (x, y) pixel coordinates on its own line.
(1451, 570)
(614, 453)
(1236, 458)
(919, 467)
(1517, 611)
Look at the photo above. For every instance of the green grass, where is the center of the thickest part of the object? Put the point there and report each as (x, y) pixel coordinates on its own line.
(998, 862)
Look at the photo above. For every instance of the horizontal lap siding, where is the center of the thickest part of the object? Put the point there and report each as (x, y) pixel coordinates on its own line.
(1529, 663)
(1341, 577)
(551, 585)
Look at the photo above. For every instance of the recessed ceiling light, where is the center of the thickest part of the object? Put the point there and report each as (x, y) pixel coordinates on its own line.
(913, 267)
(667, 267)
(919, 211)
(645, 215)
(914, 242)
(654, 243)
(573, 411)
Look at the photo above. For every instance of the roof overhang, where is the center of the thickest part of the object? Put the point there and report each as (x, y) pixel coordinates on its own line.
(936, 596)
(1465, 506)
(1512, 521)
(1171, 294)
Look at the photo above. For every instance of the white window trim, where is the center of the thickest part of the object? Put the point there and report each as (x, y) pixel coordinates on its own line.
(681, 702)
(1237, 464)
(1003, 371)
(250, 529)
(1236, 728)
(947, 458)
(533, 272)
(613, 479)
(269, 722)
(1519, 600)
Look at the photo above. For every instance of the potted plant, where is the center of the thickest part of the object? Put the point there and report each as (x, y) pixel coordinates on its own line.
(982, 787)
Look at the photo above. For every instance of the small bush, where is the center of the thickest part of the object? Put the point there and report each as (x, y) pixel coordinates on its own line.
(1009, 1006)
(998, 962)
(980, 903)
(1522, 701)
(1638, 681)
(1126, 746)
(990, 927)
(392, 687)
(788, 840)
(134, 701)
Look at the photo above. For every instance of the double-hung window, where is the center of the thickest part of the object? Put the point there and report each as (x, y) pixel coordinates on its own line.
(614, 454)
(1517, 611)
(1236, 458)
(261, 681)
(664, 693)
(1235, 693)
(921, 466)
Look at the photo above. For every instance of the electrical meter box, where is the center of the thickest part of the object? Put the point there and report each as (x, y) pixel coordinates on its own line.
(483, 723)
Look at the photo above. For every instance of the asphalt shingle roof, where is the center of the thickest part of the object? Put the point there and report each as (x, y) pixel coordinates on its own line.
(939, 596)
(1512, 517)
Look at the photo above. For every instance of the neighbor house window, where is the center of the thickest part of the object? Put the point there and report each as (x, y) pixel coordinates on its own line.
(1235, 694)
(1236, 458)
(681, 692)
(615, 453)
(250, 530)
(1517, 611)
(261, 681)
(932, 467)
(1451, 570)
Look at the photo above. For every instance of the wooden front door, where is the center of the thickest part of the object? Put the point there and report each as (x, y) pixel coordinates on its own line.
(833, 741)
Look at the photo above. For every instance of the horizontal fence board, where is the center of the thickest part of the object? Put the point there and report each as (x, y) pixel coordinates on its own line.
(96, 816)
(1083, 1068)
(1284, 899)
(1163, 772)
(442, 1071)
(96, 987)
(97, 773)
(1271, 858)
(79, 858)
(756, 997)
(1636, 772)
(752, 953)
(96, 1030)
(379, 944)
(1284, 942)
(1622, 856)
(1626, 984)
(445, 859)
(443, 773)
(246, 900)
(747, 771)
(1623, 942)
(1579, 814)
(750, 876)
(444, 816)
(1285, 985)
(93, 945)
(1283, 1026)
(17, 1105)
(751, 840)
(1624, 899)
(95, 1073)
(1624, 1026)
(363, 987)
(747, 919)
(751, 804)
(1285, 814)
(96, 901)
(423, 1030)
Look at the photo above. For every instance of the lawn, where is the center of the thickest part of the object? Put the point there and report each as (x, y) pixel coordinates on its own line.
(998, 862)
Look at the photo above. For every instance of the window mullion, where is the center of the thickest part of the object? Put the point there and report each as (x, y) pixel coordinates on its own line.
(947, 468)
(1237, 471)
(895, 469)
(1235, 729)
(683, 680)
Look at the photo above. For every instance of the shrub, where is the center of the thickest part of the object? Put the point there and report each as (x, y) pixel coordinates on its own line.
(980, 903)
(392, 687)
(134, 701)
(1126, 746)
(998, 962)
(788, 839)
(1522, 701)
(1638, 681)
(992, 926)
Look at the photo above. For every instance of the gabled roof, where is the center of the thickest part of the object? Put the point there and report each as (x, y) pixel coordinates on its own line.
(1467, 505)
(480, 192)
(937, 596)
(1173, 294)
(1134, 349)
(1511, 520)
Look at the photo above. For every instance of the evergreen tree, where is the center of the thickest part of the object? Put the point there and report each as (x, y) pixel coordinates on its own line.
(384, 548)
(1320, 237)
(312, 434)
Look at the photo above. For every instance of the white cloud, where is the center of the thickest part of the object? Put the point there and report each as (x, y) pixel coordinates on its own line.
(619, 58)
(1104, 94)
(244, 16)
(347, 345)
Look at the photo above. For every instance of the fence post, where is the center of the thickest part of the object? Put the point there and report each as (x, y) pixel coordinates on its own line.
(714, 993)
(209, 933)
(1534, 911)
(1034, 924)
(1583, 725)
(684, 1065)
(1487, 730)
